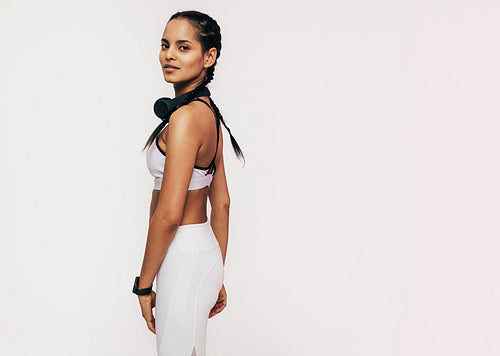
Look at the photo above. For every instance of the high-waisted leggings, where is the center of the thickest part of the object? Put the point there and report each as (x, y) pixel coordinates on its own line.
(187, 287)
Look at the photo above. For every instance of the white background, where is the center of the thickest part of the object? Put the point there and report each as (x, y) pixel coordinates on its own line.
(364, 222)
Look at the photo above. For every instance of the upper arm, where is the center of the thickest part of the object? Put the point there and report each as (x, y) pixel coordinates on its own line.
(183, 142)
(219, 193)
(154, 202)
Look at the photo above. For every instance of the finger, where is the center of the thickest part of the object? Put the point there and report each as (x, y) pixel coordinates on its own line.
(149, 317)
(213, 311)
(153, 299)
(151, 325)
(223, 305)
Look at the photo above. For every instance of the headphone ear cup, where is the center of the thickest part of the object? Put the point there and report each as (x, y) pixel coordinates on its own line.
(162, 107)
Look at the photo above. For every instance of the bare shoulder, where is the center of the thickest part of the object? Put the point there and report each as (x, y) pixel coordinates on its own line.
(184, 116)
(185, 122)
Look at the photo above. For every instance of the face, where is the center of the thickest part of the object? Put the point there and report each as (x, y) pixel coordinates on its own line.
(181, 49)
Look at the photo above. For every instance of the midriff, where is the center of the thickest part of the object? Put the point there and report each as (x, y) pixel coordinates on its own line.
(195, 208)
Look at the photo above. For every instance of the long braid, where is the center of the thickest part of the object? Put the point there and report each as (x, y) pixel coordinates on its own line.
(236, 147)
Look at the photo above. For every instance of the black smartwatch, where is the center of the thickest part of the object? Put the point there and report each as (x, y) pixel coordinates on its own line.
(144, 291)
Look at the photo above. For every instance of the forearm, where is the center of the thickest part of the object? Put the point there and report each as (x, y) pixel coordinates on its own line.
(160, 235)
(219, 220)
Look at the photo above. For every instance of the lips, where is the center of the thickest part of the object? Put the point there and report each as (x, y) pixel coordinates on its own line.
(169, 66)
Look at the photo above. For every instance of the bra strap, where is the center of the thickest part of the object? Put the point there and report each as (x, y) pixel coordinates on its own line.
(211, 166)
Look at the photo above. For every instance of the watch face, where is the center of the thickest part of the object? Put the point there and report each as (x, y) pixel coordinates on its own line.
(136, 284)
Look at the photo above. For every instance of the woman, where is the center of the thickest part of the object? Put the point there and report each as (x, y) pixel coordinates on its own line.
(184, 251)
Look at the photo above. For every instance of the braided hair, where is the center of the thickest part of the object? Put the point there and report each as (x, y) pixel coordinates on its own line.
(208, 34)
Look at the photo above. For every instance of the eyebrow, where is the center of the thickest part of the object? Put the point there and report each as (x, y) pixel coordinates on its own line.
(178, 41)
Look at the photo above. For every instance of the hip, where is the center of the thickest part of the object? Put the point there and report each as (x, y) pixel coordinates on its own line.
(193, 237)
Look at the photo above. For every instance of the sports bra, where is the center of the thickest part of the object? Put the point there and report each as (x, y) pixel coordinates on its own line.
(201, 177)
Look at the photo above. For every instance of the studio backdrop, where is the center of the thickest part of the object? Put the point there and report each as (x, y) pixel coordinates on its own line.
(363, 222)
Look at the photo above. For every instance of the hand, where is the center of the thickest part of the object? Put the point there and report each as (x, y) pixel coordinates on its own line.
(147, 303)
(221, 303)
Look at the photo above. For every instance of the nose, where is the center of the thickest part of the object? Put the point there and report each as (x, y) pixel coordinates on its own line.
(169, 53)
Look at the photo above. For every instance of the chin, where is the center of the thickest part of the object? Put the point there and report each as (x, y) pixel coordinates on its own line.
(169, 79)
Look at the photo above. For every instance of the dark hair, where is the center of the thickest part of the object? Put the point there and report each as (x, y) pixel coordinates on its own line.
(208, 34)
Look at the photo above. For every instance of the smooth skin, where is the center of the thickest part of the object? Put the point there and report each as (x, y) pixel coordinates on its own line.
(190, 138)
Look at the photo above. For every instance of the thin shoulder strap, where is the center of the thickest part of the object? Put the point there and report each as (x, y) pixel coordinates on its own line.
(211, 167)
(207, 104)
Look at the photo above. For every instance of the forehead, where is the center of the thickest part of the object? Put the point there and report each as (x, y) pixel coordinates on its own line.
(179, 29)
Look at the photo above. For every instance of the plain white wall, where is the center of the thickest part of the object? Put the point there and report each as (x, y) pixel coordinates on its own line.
(364, 222)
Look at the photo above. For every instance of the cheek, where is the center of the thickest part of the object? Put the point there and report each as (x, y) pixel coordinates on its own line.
(194, 61)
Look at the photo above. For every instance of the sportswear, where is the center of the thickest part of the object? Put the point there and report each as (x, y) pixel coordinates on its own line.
(191, 274)
(201, 177)
(187, 288)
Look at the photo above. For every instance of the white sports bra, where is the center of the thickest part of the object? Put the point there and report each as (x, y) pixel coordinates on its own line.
(201, 177)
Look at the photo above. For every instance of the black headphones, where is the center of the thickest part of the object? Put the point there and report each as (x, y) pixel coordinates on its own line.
(164, 107)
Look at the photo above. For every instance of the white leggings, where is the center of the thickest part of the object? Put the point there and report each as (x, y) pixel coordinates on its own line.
(187, 287)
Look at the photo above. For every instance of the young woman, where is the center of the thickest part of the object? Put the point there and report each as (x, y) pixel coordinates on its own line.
(184, 251)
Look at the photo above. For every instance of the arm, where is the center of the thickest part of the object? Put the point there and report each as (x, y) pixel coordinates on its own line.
(219, 201)
(183, 143)
(152, 206)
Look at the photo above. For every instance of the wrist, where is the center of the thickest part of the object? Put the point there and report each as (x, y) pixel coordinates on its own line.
(140, 289)
(143, 285)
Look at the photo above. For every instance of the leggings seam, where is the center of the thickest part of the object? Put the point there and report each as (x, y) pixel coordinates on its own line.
(196, 301)
(170, 303)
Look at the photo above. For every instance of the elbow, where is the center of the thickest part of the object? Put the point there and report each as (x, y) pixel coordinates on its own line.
(167, 222)
(219, 200)
(226, 202)
(222, 205)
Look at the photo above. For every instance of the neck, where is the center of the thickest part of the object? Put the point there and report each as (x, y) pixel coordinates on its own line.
(182, 88)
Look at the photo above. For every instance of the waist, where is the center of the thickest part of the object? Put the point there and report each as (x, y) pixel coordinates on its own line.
(193, 237)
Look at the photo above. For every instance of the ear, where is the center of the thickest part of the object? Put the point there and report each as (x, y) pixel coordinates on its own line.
(210, 57)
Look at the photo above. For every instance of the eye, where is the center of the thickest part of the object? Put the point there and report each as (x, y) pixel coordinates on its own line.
(186, 47)
(163, 44)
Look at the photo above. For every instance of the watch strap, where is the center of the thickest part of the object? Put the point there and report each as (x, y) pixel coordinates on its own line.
(143, 291)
